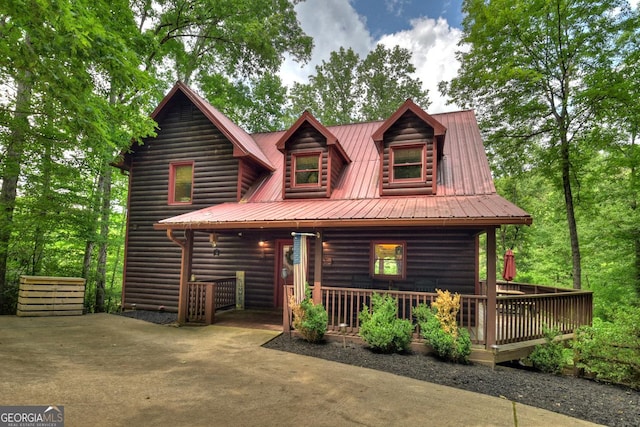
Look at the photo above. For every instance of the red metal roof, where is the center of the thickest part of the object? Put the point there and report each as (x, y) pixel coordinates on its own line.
(395, 211)
(465, 191)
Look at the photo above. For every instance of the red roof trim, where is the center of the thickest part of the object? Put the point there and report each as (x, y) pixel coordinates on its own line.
(309, 118)
(409, 105)
(243, 143)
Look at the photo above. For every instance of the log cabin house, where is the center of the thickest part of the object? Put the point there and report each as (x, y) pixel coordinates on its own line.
(393, 206)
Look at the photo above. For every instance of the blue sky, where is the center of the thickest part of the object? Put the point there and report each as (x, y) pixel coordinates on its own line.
(429, 29)
(390, 16)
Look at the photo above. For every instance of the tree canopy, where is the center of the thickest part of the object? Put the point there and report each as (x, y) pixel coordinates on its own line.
(347, 89)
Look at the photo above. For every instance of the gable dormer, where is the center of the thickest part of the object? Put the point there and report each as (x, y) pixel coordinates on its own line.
(409, 143)
(313, 159)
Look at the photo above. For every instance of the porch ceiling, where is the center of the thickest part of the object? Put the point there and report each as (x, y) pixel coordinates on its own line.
(483, 210)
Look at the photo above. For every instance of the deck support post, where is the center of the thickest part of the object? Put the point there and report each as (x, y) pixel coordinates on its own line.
(317, 270)
(491, 288)
(185, 271)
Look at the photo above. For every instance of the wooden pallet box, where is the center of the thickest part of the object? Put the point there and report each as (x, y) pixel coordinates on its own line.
(50, 296)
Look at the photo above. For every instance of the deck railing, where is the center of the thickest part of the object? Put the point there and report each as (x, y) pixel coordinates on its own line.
(518, 317)
(204, 298)
(525, 317)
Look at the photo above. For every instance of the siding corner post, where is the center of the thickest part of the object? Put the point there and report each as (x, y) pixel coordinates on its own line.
(185, 271)
(491, 288)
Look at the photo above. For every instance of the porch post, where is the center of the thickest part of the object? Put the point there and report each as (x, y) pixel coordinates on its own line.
(491, 288)
(317, 271)
(185, 274)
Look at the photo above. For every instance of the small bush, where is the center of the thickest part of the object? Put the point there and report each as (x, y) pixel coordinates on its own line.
(548, 357)
(309, 319)
(381, 328)
(439, 327)
(611, 350)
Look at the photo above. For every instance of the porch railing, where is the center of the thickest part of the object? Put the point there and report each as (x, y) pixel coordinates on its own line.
(204, 298)
(518, 317)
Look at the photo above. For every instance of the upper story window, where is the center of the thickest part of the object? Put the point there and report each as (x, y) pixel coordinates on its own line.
(306, 169)
(181, 183)
(388, 260)
(408, 163)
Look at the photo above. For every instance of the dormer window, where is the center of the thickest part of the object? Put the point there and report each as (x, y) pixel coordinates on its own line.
(410, 144)
(307, 171)
(408, 163)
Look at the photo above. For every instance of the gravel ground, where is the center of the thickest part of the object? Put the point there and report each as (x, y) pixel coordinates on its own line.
(577, 397)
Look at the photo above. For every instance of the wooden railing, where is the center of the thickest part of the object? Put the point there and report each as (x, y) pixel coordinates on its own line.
(518, 317)
(525, 317)
(344, 305)
(204, 298)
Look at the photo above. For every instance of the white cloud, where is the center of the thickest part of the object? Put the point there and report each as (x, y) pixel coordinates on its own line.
(332, 24)
(433, 44)
(335, 23)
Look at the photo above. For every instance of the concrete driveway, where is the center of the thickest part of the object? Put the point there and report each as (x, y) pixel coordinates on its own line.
(111, 370)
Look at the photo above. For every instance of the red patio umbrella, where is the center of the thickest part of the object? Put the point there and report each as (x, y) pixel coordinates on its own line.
(509, 269)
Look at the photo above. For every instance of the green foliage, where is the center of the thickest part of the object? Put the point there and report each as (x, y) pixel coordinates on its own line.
(611, 350)
(447, 345)
(548, 357)
(347, 89)
(309, 319)
(381, 328)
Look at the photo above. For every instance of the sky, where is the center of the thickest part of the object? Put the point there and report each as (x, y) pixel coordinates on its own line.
(429, 29)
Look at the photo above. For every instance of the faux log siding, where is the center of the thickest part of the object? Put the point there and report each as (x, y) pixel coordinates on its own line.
(153, 261)
(243, 253)
(337, 165)
(303, 140)
(407, 130)
(447, 256)
(249, 176)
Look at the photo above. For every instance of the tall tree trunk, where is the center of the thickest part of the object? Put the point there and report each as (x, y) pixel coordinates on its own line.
(44, 205)
(105, 212)
(571, 216)
(10, 174)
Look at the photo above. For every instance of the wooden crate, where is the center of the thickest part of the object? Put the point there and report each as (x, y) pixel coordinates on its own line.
(50, 296)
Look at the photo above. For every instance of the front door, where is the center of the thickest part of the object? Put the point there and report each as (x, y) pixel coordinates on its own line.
(284, 270)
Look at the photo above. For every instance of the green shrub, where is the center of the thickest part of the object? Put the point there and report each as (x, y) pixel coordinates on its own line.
(611, 350)
(381, 328)
(454, 346)
(309, 319)
(549, 356)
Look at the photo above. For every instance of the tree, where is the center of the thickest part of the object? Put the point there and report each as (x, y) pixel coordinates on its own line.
(332, 94)
(346, 89)
(531, 72)
(227, 37)
(385, 80)
(257, 105)
(59, 60)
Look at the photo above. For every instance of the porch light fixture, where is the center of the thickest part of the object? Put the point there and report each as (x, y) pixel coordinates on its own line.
(213, 239)
(261, 243)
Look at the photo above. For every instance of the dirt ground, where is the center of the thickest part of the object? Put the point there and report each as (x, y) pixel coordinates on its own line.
(116, 371)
